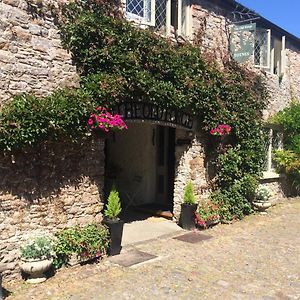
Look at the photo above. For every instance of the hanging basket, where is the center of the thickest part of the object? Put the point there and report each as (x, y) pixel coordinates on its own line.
(99, 133)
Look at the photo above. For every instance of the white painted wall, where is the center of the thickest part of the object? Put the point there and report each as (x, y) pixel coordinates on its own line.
(131, 160)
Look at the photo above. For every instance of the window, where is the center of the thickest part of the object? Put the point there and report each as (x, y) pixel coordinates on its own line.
(262, 42)
(274, 141)
(269, 52)
(250, 43)
(166, 16)
(140, 10)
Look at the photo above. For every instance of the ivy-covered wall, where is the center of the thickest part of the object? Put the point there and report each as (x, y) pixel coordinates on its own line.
(118, 62)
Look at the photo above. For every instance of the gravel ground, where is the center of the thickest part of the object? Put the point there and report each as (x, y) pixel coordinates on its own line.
(256, 258)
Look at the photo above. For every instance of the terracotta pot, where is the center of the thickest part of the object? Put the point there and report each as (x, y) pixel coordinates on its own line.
(35, 269)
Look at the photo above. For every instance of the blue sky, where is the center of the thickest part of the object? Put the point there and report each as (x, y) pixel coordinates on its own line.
(285, 14)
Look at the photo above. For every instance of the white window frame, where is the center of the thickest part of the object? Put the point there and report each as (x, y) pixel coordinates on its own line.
(142, 20)
(187, 10)
(180, 30)
(267, 66)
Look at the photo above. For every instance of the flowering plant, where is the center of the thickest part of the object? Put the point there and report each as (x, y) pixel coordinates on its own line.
(106, 121)
(37, 248)
(262, 193)
(207, 211)
(221, 129)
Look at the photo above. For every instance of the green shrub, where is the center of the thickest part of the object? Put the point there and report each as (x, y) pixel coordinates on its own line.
(288, 160)
(113, 206)
(189, 195)
(289, 119)
(86, 242)
(289, 163)
(235, 201)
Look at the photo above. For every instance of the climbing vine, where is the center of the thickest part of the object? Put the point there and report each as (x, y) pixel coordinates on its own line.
(118, 61)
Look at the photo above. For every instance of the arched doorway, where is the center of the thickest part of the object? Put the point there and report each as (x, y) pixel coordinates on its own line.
(141, 162)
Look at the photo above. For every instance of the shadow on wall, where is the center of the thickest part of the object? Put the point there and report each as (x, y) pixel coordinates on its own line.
(43, 172)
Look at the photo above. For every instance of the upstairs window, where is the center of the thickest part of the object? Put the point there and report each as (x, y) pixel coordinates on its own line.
(166, 16)
(140, 11)
(262, 45)
(252, 44)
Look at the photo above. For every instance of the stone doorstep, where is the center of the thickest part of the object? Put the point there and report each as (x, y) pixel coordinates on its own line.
(161, 237)
(193, 237)
(131, 257)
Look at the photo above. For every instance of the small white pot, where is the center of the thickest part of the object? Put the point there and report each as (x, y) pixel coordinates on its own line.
(35, 269)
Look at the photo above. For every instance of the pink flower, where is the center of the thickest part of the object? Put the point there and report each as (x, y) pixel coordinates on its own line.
(221, 129)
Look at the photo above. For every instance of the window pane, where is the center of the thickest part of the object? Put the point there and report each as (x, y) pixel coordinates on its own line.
(139, 10)
(261, 48)
(160, 15)
(135, 7)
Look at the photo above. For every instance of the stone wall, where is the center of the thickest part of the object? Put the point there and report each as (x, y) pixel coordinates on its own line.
(209, 28)
(31, 55)
(211, 31)
(189, 165)
(40, 192)
(293, 70)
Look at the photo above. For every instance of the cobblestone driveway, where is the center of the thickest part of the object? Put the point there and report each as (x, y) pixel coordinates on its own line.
(257, 258)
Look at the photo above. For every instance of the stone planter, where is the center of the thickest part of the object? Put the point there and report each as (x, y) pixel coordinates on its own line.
(210, 223)
(35, 269)
(261, 205)
(187, 216)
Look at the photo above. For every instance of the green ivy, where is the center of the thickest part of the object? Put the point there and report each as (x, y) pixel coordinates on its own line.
(119, 62)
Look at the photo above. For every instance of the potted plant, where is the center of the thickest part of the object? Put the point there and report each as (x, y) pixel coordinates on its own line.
(188, 208)
(207, 214)
(80, 244)
(261, 200)
(36, 258)
(113, 222)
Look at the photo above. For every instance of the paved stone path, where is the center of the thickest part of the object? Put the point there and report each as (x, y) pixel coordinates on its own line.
(257, 258)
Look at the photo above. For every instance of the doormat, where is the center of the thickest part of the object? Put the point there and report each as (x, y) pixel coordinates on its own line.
(130, 258)
(192, 237)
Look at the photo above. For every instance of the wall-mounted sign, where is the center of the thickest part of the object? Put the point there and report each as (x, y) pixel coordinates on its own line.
(242, 41)
(152, 112)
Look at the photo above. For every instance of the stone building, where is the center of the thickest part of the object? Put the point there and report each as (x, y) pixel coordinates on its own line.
(58, 185)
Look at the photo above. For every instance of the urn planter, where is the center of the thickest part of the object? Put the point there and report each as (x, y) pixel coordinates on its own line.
(115, 228)
(36, 269)
(261, 206)
(187, 216)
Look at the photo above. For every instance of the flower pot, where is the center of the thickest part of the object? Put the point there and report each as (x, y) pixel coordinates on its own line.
(212, 222)
(261, 205)
(35, 269)
(115, 228)
(187, 216)
(99, 133)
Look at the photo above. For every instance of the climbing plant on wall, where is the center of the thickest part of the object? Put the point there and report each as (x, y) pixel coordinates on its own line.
(118, 61)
